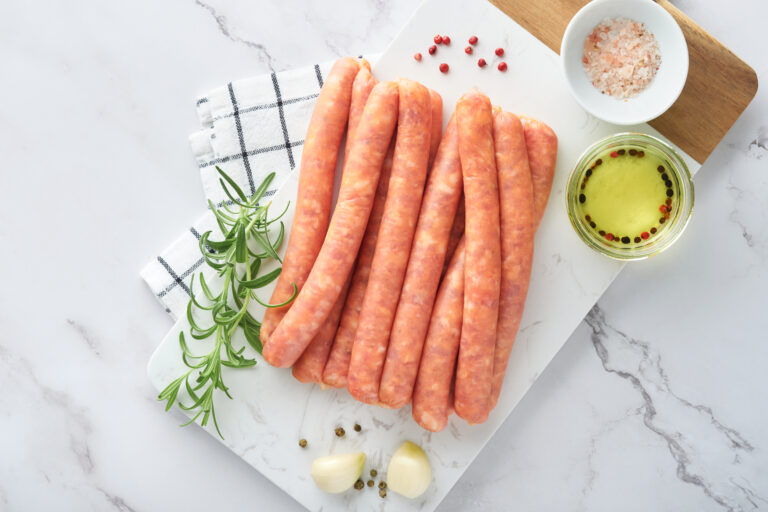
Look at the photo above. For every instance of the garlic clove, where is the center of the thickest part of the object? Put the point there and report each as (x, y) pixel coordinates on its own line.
(409, 472)
(337, 473)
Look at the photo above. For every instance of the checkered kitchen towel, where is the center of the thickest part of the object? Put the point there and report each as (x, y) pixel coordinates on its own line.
(250, 128)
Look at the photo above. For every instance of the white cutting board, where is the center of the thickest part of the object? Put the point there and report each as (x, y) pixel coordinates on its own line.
(271, 411)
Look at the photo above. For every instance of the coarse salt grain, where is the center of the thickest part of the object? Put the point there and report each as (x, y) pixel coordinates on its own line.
(621, 57)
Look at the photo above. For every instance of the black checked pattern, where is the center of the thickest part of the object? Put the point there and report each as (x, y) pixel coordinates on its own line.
(180, 273)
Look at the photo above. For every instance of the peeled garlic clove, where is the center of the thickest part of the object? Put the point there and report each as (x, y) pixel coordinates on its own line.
(337, 473)
(409, 472)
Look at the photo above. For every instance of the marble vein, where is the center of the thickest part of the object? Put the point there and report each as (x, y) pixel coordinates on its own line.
(668, 416)
(221, 22)
(86, 336)
(117, 502)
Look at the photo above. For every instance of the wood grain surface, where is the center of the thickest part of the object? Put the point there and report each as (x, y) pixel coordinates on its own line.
(719, 87)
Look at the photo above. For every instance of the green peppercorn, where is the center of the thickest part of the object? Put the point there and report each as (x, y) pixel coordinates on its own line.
(370, 483)
(383, 493)
(303, 443)
(382, 485)
(358, 428)
(339, 432)
(359, 484)
(374, 473)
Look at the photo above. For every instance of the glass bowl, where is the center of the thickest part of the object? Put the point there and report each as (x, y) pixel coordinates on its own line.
(630, 196)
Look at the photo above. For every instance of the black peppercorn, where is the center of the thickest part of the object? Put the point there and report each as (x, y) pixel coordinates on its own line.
(637, 239)
(660, 168)
(664, 177)
(621, 151)
(602, 233)
(653, 231)
(625, 239)
(589, 172)
(592, 224)
(582, 198)
(599, 161)
(633, 152)
(669, 193)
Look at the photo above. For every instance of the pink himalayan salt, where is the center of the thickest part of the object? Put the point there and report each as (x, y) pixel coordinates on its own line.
(621, 57)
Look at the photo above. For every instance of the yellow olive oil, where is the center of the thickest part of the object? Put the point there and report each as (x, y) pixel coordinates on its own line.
(626, 195)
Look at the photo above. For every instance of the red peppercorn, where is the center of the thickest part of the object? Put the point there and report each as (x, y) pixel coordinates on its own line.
(663, 208)
(468, 50)
(644, 235)
(481, 63)
(432, 49)
(417, 56)
(609, 236)
(473, 40)
(614, 154)
(438, 39)
(499, 51)
(444, 67)
(502, 66)
(446, 40)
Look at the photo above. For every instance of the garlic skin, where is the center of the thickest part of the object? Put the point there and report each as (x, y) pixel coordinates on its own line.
(409, 473)
(337, 473)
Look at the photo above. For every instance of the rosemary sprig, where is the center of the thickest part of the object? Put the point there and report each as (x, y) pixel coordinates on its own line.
(244, 225)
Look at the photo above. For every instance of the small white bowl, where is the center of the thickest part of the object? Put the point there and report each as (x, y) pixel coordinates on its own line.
(666, 86)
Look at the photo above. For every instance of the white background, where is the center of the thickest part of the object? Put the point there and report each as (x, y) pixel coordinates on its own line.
(657, 402)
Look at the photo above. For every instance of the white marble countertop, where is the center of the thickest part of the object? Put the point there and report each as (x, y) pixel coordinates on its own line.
(657, 402)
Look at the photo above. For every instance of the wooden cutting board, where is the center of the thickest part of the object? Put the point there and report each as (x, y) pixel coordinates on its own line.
(719, 87)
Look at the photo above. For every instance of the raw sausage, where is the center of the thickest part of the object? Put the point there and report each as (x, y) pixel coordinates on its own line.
(335, 372)
(432, 400)
(313, 204)
(457, 231)
(422, 277)
(542, 158)
(517, 229)
(482, 273)
(398, 223)
(309, 367)
(436, 133)
(338, 252)
(361, 89)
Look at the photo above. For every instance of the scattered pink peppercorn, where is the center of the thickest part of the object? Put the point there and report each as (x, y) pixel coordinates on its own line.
(609, 236)
(438, 39)
(446, 40)
(444, 67)
(502, 66)
(473, 40)
(417, 56)
(432, 49)
(481, 63)
(468, 50)
(499, 51)
(614, 154)
(644, 235)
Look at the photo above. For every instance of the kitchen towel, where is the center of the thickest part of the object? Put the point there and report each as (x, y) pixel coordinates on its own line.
(249, 128)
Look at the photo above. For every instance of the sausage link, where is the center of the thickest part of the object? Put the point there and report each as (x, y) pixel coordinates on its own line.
(432, 394)
(517, 229)
(422, 277)
(541, 142)
(457, 232)
(338, 252)
(335, 372)
(436, 133)
(309, 367)
(361, 89)
(390, 260)
(313, 204)
(474, 371)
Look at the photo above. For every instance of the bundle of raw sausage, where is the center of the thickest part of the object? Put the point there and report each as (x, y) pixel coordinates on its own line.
(413, 289)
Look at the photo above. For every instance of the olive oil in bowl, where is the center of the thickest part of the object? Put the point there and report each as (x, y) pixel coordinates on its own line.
(630, 196)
